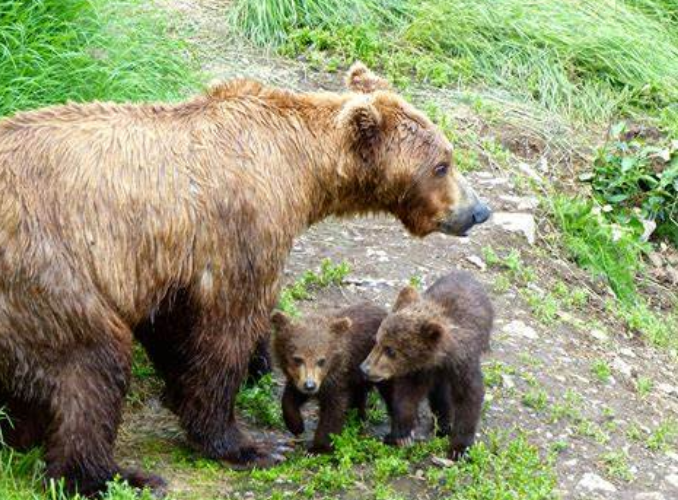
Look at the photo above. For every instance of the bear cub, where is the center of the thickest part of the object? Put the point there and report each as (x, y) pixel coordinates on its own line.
(430, 346)
(320, 357)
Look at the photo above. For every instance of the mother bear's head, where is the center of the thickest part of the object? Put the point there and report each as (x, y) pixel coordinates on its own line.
(407, 161)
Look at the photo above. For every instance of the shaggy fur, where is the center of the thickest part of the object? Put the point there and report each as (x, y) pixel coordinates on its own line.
(320, 357)
(432, 345)
(172, 222)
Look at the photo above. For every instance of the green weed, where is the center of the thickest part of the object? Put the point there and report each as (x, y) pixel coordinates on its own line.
(52, 51)
(260, 404)
(664, 436)
(601, 369)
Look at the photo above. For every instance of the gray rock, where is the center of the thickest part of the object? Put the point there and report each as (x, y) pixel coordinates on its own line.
(522, 223)
(593, 482)
(519, 328)
(654, 495)
(477, 261)
(672, 479)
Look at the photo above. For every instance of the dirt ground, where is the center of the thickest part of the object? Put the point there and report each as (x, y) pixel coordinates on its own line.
(603, 402)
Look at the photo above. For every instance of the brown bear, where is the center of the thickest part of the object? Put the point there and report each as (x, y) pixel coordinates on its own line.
(431, 346)
(172, 223)
(320, 357)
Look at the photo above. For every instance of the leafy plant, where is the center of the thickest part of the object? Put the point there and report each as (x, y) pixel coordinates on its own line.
(634, 179)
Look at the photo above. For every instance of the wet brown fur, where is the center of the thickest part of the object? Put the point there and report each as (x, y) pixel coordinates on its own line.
(327, 350)
(171, 223)
(431, 346)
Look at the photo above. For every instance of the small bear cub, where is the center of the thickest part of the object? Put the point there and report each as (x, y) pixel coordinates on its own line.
(320, 357)
(431, 345)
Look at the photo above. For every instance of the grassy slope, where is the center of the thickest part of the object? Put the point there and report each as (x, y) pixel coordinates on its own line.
(52, 51)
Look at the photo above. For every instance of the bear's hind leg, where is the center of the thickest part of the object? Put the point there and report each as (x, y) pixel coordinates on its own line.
(468, 392)
(440, 400)
(85, 412)
(217, 358)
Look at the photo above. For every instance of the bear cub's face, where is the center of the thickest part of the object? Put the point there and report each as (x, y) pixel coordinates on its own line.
(408, 339)
(309, 349)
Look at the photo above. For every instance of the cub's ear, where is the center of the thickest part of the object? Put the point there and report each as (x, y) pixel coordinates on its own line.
(360, 79)
(407, 296)
(340, 325)
(280, 321)
(432, 331)
(361, 122)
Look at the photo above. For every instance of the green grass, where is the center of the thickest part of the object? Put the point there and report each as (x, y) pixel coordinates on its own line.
(586, 59)
(52, 51)
(303, 287)
(260, 404)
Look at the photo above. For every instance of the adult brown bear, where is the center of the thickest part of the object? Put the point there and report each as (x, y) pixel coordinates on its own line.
(173, 222)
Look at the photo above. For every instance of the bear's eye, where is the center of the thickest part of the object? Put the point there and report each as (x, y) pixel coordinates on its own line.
(298, 361)
(321, 362)
(441, 169)
(389, 352)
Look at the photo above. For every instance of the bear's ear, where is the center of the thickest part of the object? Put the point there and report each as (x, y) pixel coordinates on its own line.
(407, 296)
(360, 79)
(361, 121)
(432, 331)
(340, 325)
(280, 321)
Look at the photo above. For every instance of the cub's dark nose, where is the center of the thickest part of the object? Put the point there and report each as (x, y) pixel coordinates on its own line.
(364, 367)
(309, 385)
(481, 213)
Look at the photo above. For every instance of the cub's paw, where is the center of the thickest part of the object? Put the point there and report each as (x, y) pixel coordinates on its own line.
(320, 449)
(253, 455)
(458, 452)
(399, 440)
(142, 480)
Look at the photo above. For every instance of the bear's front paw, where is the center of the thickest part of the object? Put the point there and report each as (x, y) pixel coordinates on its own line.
(399, 440)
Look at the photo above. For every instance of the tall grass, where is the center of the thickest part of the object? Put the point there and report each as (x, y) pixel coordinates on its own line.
(588, 59)
(52, 51)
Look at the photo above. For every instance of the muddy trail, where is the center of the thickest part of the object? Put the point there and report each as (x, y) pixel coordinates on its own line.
(601, 408)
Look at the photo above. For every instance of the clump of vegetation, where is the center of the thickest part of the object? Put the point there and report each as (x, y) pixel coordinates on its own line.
(636, 180)
(260, 404)
(81, 50)
(302, 288)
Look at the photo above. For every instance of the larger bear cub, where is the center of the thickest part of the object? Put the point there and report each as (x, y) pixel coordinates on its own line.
(172, 223)
(431, 345)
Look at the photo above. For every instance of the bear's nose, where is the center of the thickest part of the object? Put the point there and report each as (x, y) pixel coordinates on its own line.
(365, 368)
(481, 213)
(309, 385)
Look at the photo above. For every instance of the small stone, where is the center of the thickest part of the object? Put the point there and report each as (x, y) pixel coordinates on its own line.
(654, 495)
(599, 335)
(672, 479)
(519, 328)
(656, 259)
(521, 202)
(530, 172)
(593, 482)
(477, 261)
(517, 223)
(622, 367)
(419, 474)
(648, 228)
(442, 462)
(507, 381)
(673, 456)
(667, 388)
(628, 352)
